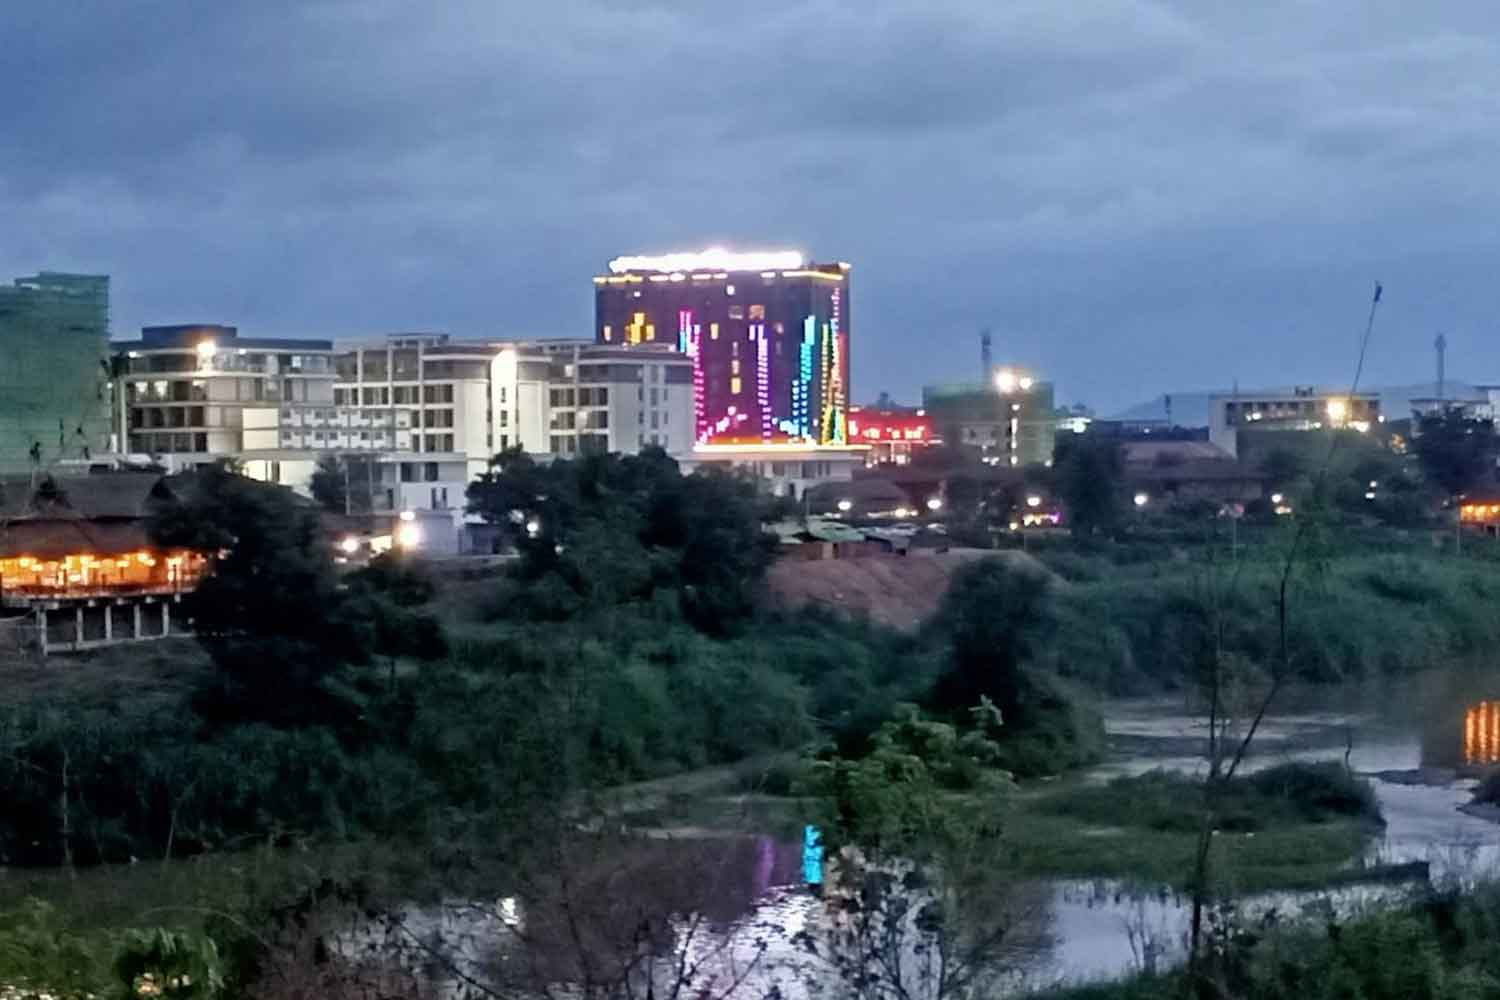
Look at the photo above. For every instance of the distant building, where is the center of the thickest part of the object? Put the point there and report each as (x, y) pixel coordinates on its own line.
(893, 433)
(198, 394)
(786, 469)
(767, 335)
(54, 370)
(1300, 408)
(430, 393)
(1009, 421)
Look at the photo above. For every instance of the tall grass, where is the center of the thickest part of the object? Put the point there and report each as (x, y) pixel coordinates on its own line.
(1353, 617)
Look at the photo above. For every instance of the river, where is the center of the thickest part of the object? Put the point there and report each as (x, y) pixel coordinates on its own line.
(1421, 745)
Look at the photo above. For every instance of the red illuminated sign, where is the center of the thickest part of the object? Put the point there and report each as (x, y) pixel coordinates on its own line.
(876, 426)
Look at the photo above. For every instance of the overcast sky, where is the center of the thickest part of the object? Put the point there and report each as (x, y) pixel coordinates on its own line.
(1136, 196)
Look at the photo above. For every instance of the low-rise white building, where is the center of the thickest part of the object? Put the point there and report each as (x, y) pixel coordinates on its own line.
(788, 469)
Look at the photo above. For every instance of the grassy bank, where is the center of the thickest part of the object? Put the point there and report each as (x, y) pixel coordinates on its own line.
(1439, 947)
(1291, 826)
(1136, 622)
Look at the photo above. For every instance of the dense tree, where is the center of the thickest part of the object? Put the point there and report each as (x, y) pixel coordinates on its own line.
(1089, 480)
(270, 612)
(1282, 467)
(343, 485)
(997, 615)
(1457, 451)
(607, 529)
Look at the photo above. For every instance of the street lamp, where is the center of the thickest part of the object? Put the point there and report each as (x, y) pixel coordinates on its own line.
(1141, 499)
(1033, 501)
(845, 506)
(1005, 381)
(1277, 498)
(934, 504)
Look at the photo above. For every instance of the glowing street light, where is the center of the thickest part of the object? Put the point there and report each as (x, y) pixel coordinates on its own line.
(1026, 383)
(1141, 499)
(1033, 501)
(1338, 410)
(845, 506)
(934, 504)
(533, 527)
(1005, 380)
(408, 534)
(349, 544)
(1277, 498)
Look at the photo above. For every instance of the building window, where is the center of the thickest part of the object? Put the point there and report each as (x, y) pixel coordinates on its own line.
(437, 393)
(736, 312)
(735, 385)
(655, 420)
(560, 397)
(504, 418)
(757, 312)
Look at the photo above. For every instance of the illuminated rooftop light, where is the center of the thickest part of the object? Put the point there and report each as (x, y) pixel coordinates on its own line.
(1026, 383)
(1338, 409)
(207, 348)
(714, 258)
(1005, 380)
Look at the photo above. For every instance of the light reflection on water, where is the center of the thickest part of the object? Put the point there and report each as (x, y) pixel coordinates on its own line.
(1079, 930)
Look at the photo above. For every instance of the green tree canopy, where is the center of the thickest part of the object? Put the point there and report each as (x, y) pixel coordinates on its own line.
(1090, 472)
(997, 614)
(343, 484)
(1457, 451)
(270, 612)
(608, 529)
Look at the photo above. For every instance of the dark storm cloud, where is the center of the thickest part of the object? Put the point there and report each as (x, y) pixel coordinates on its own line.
(1136, 196)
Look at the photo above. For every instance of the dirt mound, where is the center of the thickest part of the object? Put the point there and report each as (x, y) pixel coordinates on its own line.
(898, 591)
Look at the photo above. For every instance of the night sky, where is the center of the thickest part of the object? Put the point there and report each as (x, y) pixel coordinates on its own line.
(1136, 197)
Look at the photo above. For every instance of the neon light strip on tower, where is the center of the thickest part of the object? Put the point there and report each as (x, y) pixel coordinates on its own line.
(802, 397)
(700, 413)
(712, 259)
(762, 379)
(830, 359)
(684, 329)
(837, 377)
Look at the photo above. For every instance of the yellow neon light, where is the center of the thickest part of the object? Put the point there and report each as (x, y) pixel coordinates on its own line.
(812, 274)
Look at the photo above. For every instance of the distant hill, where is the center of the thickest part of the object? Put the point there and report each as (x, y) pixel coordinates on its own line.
(1189, 409)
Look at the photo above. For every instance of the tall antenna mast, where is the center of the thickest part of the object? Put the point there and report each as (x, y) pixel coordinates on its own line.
(1441, 346)
(985, 357)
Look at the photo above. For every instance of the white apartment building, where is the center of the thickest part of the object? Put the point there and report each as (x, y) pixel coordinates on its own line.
(429, 393)
(197, 394)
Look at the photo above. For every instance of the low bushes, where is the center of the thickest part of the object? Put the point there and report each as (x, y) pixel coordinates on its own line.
(1279, 796)
(1352, 617)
